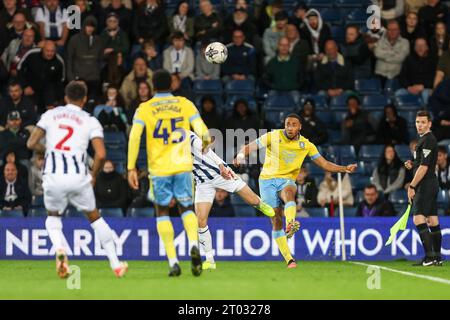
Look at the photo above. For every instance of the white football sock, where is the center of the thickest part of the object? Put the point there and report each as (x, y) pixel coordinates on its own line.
(54, 228)
(173, 261)
(205, 239)
(105, 235)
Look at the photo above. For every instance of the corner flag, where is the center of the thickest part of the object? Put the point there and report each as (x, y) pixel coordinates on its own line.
(399, 225)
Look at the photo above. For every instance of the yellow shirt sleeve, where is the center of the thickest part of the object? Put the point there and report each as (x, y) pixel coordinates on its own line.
(265, 140)
(313, 153)
(197, 124)
(134, 141)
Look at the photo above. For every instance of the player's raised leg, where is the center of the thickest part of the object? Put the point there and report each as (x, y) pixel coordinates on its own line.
(252, 199)
(290, 209)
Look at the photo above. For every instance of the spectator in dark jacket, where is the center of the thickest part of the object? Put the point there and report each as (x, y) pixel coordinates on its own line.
(209, 113)
(241, 61)
(306, 190)
(140, 196)
(432, 13)
(440, 41)
(315, 31)
(115, 39)
(17, 49)
(110, 112)
(124, 14)
(358, 125)
(298, 47)
(222, 205)
(410, 29)
(15, 137)
(207, 25)
(389, 174)
(240, 20)
(10, 157)
(150, 54)
(242, 117)
(41, 72)
(144, 94)
(418, 71)
(14, 192)
(177, 87)
(373, 205)
(182, 21)
(333, 75)
(312, 127)
(150, 22)
(392, 128)
(356, 52)
(111, 189)
(85, 55)
(443, 168)
(15, 101)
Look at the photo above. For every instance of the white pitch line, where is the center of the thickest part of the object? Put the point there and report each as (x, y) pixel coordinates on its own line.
(406, 273)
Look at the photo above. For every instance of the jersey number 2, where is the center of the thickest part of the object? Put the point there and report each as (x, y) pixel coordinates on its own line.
(60, 145)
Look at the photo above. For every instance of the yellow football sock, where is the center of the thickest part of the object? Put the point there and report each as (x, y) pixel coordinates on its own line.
(290, 211)
(190, 224)
(281, 240)
(166, 233)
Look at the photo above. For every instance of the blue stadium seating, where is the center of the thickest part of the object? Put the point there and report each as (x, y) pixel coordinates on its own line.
(375, 102)
(347, 152)
(315, 170)
(111, 212)
(142, 212)
(319, 3)
(116, 155)
(71, 212)
(340, 117)
(359, 182)
(357, 16)
(326, 117)
(370, 152)
(319, 100)
(409, 116)
(412, 133)
(236, 200)
(332, 16)
(351, 3)
(334, 136)
(243, 87)
(359, 196)
(229, 105)
(280, 101)
(339, 102)
(368, 86)
(408, 102)
(317, 212)
(37, 201)
(275, 117)
(207, 87)
(443, 199)
(399, 197)
(11, 214)
(244, 211)
(37, 212)
(403, 152)
(391, 86)
(361, 169)
(369, 166)
(338, 33)
(348, 212)
(115, 139)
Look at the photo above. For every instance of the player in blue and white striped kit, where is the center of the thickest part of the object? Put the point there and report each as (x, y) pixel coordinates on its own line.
(211, 173)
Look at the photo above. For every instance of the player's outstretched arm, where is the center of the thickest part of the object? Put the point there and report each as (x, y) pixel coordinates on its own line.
(332, 167)
(134, 142)
(34, 143)
(245, 151)
(99, 157)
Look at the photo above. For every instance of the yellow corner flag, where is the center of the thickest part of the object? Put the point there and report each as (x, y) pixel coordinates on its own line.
(399, 225)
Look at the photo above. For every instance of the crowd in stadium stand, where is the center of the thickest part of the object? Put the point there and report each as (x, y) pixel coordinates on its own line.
(356, 88)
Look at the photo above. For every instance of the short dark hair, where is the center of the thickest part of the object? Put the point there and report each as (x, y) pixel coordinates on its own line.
(162, 80)
(370, 186)
(442, 149)
(353, 97)
(281, 15)
(293, 115)
(14, 82)
(423, 113)
(177, 35)
(76, 90)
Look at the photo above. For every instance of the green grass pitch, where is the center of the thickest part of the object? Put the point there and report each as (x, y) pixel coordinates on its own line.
(231, 280)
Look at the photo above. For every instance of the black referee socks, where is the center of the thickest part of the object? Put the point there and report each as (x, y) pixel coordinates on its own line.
(425, 236)
(436, 239)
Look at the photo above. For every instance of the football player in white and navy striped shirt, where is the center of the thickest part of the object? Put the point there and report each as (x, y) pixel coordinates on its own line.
(211, 173)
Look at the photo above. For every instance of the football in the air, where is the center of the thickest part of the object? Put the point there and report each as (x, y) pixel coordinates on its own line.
(216, 52)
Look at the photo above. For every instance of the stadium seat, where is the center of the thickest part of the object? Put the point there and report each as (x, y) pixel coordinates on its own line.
(315, 170)
(332, 16)
(359, 182)
(252, 105)
(375, 102)
(368, 86)
(339, 102)
(280, 101)
(142, 212)
(111, 212)
(408, 102)
(391, 86)
(346, 152)
(412, 133)
(357, 16)
(319, 100)
(236, 200)
(361, 169)
(443, 199)
(359, 196)
(403, 152)
(207, 87)
(37, 201)
(399, 197)
(369, 166)
(319, 3)
(351, 3)
(317, 212)
(338, 33)
(326, 117)
(37, 212)
(348, 212)
(242, 87)
(409, 116)
(71, 212)
(370, 152)
(115, 139)
(11, 214)
(116, 155)
(334, 136)
(339, 117)
(244, 211)
(274, 117)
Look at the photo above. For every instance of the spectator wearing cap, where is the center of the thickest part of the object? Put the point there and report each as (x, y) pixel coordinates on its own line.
(16, 101)
(241, 61)
(17, 49)
(283, 73)
(358, 126)
(150, 22)
(316, 32)
(418, 71)
(179, 58)
(182, 21)
(14, 137)
(273, 34)
(333, 75)
(41, 73)
(14, 192)
(52, 19)
(122, 12)
(298, 47)
(114, 37)
(355, 51)
(140, 72)
(392, 129)
(208, 25)
(434, 11)
(241, 20)
(373, 205)
(390, 52)
(312, 127)
(242, 117)
(205, 70)
(85, 55)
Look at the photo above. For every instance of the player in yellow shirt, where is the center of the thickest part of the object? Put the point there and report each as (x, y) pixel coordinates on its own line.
(167, 119)
(286, 150)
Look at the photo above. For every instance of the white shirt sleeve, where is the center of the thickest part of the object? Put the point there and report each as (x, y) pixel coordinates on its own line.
(196, 143)
(39, 15)
(214, 157)
(96, 129)
(44, 121)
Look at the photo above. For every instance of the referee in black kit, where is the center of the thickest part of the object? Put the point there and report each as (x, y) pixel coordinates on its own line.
(423, 191)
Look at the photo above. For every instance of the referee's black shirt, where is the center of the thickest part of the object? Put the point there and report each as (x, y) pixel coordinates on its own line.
(426, 154)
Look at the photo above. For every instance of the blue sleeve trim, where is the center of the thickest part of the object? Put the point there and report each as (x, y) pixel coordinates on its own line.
(314, 157)
(142, 123)
(195, 116)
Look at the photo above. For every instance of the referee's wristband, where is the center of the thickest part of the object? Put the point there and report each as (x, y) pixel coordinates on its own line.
(412, 187)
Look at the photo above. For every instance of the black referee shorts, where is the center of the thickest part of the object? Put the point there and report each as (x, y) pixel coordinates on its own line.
(425, 200)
